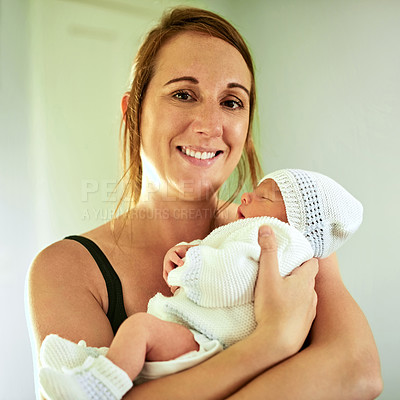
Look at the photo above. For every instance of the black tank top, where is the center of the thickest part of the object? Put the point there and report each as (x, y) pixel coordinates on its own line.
(116, 313)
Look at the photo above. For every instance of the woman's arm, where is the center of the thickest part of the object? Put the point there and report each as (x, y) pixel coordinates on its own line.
(341, 358)
(65, 296)
(341, 362)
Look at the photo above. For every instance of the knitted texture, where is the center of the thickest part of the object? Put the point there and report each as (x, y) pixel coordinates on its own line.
(97, 378)
(157, 369)
(321, 209)
(217, 279)
(57, 352)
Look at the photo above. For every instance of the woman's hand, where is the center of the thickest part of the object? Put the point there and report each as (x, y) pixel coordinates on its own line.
(338, 363)
(287, 305)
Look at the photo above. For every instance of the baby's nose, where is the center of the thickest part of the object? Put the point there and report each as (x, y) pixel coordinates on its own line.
(245, 198)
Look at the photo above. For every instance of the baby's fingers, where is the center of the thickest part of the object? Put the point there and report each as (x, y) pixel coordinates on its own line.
(168, 267)
(176, 259)
(182, 249)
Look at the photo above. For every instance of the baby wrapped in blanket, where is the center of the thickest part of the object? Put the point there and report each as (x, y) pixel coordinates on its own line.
(311, 215)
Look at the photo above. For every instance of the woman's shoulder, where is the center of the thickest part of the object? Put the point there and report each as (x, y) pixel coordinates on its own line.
(59, 262)
(67, 259)
(56, 254)
(66, 290)
(73, 262)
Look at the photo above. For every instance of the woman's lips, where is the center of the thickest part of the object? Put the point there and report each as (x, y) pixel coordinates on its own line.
(199, 156)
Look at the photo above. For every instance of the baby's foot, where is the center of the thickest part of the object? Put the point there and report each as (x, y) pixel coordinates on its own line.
(98, 378)
(57, 352)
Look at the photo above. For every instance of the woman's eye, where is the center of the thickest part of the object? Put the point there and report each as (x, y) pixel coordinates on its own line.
(182, 95)
(233, 104)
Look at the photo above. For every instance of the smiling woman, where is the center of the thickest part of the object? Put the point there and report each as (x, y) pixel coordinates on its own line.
(188, 118)
(200, 110)
(178, 70)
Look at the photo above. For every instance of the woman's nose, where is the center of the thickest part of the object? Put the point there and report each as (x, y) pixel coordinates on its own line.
(208, 120)
(246, 198)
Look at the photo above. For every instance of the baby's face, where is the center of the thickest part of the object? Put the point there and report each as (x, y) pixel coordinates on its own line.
(266, 200)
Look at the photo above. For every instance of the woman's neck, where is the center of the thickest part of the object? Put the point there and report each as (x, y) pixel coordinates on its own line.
(176, 220)
(165, 219)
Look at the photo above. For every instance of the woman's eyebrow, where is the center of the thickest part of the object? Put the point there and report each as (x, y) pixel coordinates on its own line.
(238, 85)
(183, 78)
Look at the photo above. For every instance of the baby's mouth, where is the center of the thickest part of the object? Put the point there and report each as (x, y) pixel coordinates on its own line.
(200, 155)
(239, 214)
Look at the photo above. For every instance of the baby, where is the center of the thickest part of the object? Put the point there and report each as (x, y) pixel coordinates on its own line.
(213, 283)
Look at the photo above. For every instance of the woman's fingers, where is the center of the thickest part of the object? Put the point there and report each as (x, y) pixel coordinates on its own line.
(309, 267)
(307, 271)
(269, 267)
(268, 284)
(286, 304)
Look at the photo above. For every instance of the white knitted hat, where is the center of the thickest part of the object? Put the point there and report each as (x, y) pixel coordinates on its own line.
(318, 207)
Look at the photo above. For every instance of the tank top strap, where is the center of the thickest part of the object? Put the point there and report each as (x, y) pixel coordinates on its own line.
(116, 313)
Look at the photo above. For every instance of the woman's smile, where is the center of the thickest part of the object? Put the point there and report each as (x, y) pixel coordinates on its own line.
(195, 114)
(199, 156)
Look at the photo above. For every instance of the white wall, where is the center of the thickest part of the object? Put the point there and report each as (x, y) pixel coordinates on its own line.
(329, 100)
(16, 219)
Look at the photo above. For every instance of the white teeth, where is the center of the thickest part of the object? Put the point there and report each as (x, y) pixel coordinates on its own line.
(198, 154)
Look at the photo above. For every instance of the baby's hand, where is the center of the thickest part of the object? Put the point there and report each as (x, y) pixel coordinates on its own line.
(174, 258)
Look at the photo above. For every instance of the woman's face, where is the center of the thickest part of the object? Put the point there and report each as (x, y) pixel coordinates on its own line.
(195, 115)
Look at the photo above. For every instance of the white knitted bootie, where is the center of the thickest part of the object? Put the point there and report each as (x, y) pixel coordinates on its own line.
(97, 379)
(57, 352)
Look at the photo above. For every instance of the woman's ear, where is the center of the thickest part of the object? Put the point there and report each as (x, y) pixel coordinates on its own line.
(124, 104)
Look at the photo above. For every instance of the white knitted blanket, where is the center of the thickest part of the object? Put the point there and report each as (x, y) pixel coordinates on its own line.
(217, 280)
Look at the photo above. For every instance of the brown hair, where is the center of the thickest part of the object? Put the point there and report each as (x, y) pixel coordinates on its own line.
(177, 20)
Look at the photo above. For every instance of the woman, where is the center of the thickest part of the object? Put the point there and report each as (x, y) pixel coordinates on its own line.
(188, 125)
